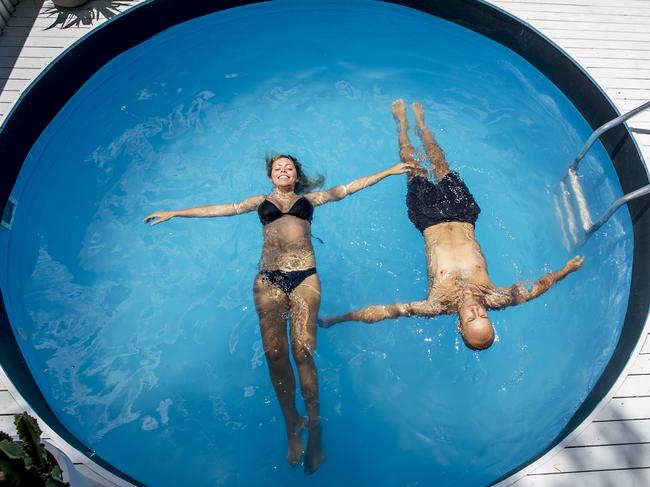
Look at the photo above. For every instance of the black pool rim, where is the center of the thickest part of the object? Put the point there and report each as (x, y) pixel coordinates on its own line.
(59, 82)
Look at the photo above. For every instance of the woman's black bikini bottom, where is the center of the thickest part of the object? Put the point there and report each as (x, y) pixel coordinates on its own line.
(287, 280)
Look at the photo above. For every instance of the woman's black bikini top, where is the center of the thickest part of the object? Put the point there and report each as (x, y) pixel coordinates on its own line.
(268, 212)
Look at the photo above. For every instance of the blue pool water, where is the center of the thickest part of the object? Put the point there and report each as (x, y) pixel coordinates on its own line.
(144, 340)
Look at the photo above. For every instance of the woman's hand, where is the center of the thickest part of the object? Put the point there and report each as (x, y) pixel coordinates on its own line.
(159, 217)
(401, 168)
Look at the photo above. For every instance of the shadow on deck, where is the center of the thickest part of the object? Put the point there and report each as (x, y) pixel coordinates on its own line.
(36, 33)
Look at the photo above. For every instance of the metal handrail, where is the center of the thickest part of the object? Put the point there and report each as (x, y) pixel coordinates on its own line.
(601, 130)
(572, 180)
(615, 206)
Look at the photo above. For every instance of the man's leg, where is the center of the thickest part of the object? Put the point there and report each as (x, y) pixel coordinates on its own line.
(406, 150)
(434, 153)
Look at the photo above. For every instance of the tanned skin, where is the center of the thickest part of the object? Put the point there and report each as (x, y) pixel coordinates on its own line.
(458, 277)
(287, 247)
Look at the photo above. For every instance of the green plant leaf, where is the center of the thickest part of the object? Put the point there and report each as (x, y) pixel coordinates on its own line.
(13, 468)
(5, 436)
(56, 478)
(10, 470)
(56, 473)
(11, 449)
(30, 435)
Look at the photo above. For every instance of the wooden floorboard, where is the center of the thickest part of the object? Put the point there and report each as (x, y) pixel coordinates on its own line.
(614, 433)
(611, 41)
(616, 478)
(591, 458)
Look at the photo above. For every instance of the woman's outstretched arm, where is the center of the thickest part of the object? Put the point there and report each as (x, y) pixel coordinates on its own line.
(518, 293)
(339, 192)
(373, 314)
(229, 209)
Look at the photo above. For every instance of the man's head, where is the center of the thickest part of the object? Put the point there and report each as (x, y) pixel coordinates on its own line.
(474, 325)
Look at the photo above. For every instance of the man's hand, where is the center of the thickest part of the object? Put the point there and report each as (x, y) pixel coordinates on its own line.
(574, 264)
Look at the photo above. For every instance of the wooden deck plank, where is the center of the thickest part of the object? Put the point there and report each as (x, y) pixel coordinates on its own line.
(9, 96)
(625, 408)
(596, 35)
(622, 3)
(15, 51)
(616, 83)
(41, 23)
(615, 478)
(7, 424)
(9, 62)
(43, 41)
(5, 108)
(19, 73)
(585, 10)
(598, 62)
(595, 52)
(641, 364)
(534, 15)
(23, 31)
(634, 386)
(646, 345)
(560, 24)
(7, 404)
(592, 458)
(614, 433)
(14, 85)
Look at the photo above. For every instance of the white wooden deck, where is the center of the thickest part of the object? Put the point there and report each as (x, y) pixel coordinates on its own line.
(611, 40)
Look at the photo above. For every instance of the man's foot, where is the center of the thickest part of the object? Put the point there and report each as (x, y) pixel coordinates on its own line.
(314, 456)
(296, 448)
(418, 111)
(399, 110)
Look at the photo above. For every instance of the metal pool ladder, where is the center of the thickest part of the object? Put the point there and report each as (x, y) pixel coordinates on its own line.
(570, 202)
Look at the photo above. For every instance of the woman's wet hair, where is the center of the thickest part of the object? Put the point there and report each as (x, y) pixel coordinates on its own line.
(304, 184)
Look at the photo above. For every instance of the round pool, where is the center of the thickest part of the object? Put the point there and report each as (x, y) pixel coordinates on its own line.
(144, 340)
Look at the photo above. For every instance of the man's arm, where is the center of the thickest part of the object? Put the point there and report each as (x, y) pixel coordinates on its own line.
(373, 314)
(519, 294)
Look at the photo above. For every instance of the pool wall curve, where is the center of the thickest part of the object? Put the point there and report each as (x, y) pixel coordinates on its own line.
(51, 90)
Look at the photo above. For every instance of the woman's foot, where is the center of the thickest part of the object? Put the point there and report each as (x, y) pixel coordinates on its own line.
(314, 455)
(399, 110)
(296, 447)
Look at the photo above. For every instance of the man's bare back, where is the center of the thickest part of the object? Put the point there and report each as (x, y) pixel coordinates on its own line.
(458, 278)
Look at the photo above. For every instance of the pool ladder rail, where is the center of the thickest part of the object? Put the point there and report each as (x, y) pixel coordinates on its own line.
(570, 202)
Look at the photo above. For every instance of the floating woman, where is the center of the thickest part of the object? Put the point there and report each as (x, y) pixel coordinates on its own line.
(287, 286)
(445, 213)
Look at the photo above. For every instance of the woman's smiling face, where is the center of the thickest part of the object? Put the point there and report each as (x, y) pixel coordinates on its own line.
(283, 173)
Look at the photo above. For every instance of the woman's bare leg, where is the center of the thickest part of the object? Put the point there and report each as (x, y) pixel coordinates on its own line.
(406, 150)
(435, 154)
(373, 314)
(304, 302)
(272, 307)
